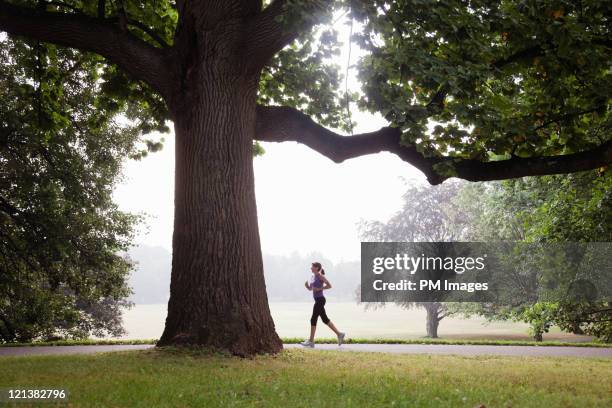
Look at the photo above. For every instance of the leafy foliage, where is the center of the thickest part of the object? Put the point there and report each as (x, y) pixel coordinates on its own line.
(62, 145)
(493, 78)
(569, 208)
(152, 21)
(118, 92)
(302, 76)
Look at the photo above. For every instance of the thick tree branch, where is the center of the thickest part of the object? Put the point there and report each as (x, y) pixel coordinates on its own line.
(274, 28)
(142, 27)
(139, 59)
(280, 124)
(149, 32)
(527, 53)
(474, 170)
(437, 102)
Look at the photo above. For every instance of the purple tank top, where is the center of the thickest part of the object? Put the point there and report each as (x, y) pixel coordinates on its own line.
(317, 283)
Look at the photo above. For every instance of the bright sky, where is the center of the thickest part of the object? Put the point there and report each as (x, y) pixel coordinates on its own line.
(305, 202)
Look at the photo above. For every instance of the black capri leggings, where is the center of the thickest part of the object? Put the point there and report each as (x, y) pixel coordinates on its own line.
(319, 310)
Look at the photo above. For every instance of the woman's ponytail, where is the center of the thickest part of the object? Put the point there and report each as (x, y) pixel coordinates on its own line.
(319, 267)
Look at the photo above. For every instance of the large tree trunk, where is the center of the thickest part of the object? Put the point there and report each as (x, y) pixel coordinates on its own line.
(217, 291)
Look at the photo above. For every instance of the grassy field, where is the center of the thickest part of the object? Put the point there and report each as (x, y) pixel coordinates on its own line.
(306, 378)
(292, 319)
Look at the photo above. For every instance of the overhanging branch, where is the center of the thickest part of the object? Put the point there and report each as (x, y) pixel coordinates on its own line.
(474, 170)
(139, 59)
(280, 124)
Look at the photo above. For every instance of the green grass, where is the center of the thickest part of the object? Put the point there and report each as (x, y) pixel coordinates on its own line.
(295, 340)
(307, 378)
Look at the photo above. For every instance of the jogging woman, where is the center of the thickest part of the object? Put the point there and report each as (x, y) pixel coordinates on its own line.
(317, 286)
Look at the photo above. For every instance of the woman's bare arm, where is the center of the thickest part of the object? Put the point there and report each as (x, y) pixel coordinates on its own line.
(326, 283)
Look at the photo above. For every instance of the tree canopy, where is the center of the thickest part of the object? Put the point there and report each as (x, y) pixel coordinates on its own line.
(475, 89)
(499, 79)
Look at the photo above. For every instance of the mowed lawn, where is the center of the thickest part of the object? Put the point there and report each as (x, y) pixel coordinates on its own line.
(307, 378)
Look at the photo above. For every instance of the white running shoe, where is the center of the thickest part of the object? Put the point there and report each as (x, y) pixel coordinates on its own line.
(307, 343)
(341, 338)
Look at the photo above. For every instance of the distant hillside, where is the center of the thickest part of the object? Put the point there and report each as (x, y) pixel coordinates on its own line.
(284, 275)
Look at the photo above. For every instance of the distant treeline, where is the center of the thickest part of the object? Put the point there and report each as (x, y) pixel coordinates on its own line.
(285, 276)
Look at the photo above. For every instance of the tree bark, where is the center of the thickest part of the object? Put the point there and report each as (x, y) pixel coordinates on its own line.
(217, 290)
(538, 335)
(432, 320)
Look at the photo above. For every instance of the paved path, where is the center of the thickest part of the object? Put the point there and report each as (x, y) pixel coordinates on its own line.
(36, 350)
(464, 350)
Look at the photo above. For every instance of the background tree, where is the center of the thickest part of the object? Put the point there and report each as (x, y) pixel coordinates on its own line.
(519, 87)
(429, 214)
(572, 208)
(576, 208)
(61, 153)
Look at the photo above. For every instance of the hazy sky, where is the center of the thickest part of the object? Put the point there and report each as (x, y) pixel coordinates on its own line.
(305, 201)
